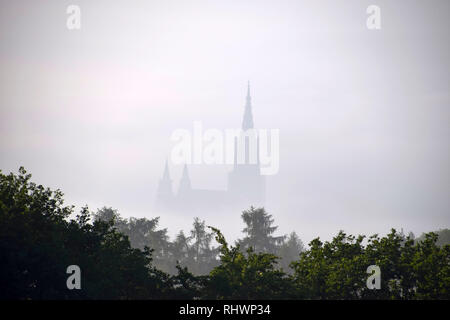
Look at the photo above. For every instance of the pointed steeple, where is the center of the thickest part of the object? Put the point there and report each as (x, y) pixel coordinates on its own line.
(164, 192)
(185, 182)
(247, 122)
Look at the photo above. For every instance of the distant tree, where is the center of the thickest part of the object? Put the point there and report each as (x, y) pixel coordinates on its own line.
(142, 233)
(258, 231)
(443, 237)
(289, 250)
(181, 252)
(203, 255)
(108, 214)
(38, 242)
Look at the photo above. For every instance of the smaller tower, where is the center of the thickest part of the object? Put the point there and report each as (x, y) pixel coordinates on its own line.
(185, 183)
(185, 199)
(164, 195)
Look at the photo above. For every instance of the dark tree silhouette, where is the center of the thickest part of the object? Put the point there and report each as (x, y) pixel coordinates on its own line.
(38, 242)
(259, 229)
(141, 233)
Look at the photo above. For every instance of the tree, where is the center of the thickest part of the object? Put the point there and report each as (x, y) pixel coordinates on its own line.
(331, 270)
(203, 255)
(195, 251)
(289, 250)
(108, 214)
(38, 243)
(259, 229)
(180, 251)
(337, 269)
(443, 237)
(142, 233)
(246, 276)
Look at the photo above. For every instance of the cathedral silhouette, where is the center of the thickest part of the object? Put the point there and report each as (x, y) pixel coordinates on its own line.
(246, 185)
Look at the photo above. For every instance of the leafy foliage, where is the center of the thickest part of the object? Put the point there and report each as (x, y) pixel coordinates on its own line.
(37, 244)
(123, 258)
(246, 276)
(337, 269)
(443, 237)
(259, 229)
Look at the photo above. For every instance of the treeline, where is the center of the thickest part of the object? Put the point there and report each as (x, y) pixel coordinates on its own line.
(195, 250)
(122, 259)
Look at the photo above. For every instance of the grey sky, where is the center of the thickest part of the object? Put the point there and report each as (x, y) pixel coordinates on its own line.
(363, 115)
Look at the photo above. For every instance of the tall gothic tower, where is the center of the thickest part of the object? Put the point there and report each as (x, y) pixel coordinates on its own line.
(246, 185)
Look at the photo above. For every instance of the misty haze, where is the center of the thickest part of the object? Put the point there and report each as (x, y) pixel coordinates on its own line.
(360, 117)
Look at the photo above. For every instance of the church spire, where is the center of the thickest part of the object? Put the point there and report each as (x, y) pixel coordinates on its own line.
(164, 192)
(247, 122)
(185, 182)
